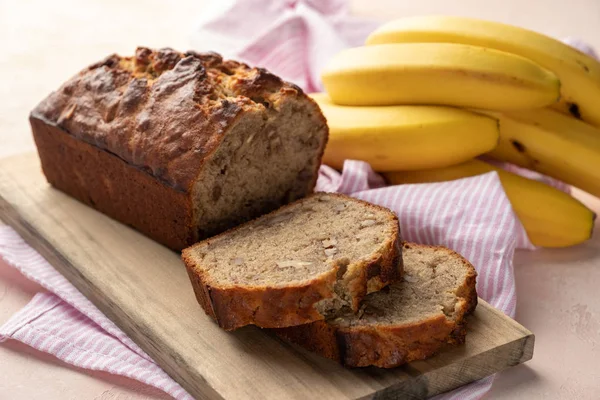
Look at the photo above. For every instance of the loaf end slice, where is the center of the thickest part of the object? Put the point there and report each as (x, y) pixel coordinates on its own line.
(298, 264)
(409, 320)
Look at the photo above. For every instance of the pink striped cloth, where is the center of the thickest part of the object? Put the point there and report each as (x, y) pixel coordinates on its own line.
(472, 216)
(293, 38)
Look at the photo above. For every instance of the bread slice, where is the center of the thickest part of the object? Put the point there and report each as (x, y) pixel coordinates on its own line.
(409, 320)
(298, 264)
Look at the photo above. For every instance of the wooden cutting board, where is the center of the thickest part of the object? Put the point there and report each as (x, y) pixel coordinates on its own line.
(144, 289)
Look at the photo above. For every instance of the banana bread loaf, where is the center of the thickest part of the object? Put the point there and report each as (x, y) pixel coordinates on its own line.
(409, 320)
(297, 264)
(180, 146)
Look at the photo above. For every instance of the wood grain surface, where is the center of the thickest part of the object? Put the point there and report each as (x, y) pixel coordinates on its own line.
(144, 289)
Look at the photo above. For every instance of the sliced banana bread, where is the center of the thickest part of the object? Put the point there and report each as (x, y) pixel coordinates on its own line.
(298, 264)
(409, 320)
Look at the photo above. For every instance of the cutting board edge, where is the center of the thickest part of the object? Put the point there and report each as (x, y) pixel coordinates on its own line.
(421, 390)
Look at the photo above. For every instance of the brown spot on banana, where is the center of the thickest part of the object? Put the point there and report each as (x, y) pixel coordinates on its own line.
(520, 147)
(574, 110)
(582, 65)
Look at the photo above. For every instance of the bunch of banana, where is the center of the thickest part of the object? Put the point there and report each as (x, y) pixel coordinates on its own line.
(551, 218)
(427, 95)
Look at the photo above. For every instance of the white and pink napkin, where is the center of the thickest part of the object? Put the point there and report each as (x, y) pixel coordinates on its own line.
(294, 39)
(472, 216)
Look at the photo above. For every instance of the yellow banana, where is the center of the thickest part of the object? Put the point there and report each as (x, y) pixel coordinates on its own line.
(551, 218)
(405, 137)
(553, 144)
(438, 73)
(579, 74)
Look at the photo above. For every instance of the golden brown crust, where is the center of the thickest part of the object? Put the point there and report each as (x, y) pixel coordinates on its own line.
(235, 307)
(380, 346)
(114, 187)
(162, 111)
(389, 266)
(377, 272)
(388, 346)
(268, 307)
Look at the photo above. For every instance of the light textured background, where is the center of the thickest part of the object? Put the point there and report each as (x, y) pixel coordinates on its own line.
(42, 43)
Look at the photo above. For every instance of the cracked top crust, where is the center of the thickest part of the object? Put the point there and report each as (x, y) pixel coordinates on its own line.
(161, 110)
